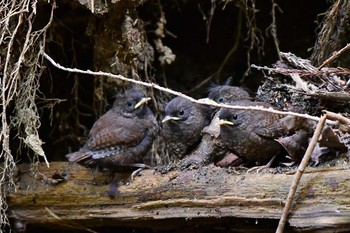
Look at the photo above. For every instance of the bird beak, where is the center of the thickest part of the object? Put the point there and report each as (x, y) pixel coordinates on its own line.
(142, 101)
(170, 118)
(224, 122)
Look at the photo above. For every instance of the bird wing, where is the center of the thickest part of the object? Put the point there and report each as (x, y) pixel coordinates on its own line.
(117, 131)
(271, 127)
(286, 125)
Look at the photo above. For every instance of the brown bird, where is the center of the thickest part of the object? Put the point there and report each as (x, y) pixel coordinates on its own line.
(222, 94)
(211, 148)
(259, 136)
(227, 94)
(122, 136)
(182, 125)
(244, 132)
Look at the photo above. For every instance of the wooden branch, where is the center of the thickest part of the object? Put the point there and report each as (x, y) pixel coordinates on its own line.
(334, 56)
(302, 166)
(200, 101)
(67, 194)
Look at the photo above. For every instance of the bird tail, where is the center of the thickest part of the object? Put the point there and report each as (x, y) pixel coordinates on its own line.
(81, 157)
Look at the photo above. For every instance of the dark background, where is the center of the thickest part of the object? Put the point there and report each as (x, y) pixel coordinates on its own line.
(70, 42)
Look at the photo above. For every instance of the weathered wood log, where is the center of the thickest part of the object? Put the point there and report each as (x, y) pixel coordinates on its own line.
(73, 196)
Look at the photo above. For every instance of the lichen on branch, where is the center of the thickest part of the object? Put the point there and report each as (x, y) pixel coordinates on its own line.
(21, 68)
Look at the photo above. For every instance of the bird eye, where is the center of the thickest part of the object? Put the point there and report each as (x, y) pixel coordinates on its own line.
(181, 112)
(234, 117)
(221, 99)
(129, 103)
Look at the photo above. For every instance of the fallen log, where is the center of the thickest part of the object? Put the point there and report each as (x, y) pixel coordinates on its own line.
(72, 196)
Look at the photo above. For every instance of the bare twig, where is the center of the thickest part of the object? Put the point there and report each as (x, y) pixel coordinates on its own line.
(253, 34)
(210, 18)
(337, 117)
(92, 2)
(299, 173)
(156, 86)
(311, 73)
(331, 96)
(334, 56)
(273, 28)
(344, 122)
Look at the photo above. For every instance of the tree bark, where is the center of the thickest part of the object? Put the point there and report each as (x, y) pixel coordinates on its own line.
(334, 34)
(74, 196)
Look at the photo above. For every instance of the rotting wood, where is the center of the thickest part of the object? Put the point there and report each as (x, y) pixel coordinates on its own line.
(73, 193)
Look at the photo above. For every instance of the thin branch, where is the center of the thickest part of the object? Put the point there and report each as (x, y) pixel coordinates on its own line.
(210, 18)
(254, 35)
(92, 3)
(273, 29)
(299, 173)
(334, 56)
(156, 86)
(338, 117)
(344, 122)
(327, 71)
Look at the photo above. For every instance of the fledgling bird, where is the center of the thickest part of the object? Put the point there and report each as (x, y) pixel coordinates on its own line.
(211, 148)
(224, 94)
(122, 136)
(182, 125)
(244, 132)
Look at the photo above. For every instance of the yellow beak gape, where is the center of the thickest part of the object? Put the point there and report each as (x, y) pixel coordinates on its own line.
(142, 101)
(170, 118)
(224, 122)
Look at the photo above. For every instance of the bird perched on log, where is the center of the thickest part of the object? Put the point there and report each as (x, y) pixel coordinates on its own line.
(251, 134)
(210, 148)
(213, 147)
(248, 133)
(182, 125)
(122, 136)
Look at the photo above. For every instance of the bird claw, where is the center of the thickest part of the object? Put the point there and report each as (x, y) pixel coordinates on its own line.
(137, 172)
(263, 167)
(188, 164)
(141, 165)
(258, 168)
